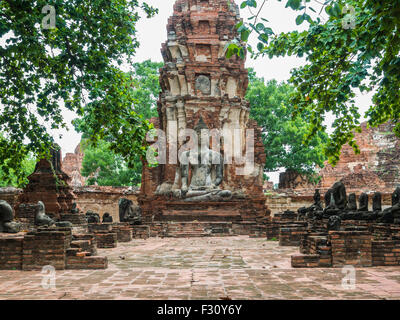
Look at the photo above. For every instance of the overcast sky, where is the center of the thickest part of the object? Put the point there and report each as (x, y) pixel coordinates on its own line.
(152, 33)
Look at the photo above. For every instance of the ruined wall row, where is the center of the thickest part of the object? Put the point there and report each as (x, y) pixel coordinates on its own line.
(376, 168)
(97, 199)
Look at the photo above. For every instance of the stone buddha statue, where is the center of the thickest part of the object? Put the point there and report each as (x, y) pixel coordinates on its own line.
(392, 214)
(207, 170)
(316, 206)
(7, 223)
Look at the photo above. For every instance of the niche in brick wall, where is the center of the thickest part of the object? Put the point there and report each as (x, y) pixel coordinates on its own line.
(203, 52)
(204, 27)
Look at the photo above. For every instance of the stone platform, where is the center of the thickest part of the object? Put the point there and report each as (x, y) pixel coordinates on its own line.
(202, 268)
(236, 210)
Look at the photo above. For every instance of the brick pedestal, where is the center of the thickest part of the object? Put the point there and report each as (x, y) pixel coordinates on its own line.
(106, 240)
(45, 247)
(290, 235)
(351, 248)
(11, 253)
(124, 232)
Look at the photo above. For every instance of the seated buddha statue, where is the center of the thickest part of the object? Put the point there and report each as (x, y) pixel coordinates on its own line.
(207, 171)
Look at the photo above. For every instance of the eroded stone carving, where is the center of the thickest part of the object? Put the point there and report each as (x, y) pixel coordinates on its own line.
(74, 208)
(392, 214)
(107, 218)
(363, 200)
(203, 84)
(207, 171)
(41, 218)
(316, 206)
(339, 194)
(327, 198)
(377, 202)
(334, 223)
(7, 223)
(352, 204)
(128, 212)
(199, 82)
(92, 217)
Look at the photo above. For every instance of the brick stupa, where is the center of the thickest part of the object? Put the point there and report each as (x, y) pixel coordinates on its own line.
(51, 185)
(200, 86)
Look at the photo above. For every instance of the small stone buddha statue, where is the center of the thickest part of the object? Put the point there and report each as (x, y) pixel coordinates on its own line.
(7, 223)
(41, 218)
(392, 214)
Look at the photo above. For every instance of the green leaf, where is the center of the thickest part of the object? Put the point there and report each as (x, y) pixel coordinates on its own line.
(252, 3)
(294, 4)
(264, 38)
(300, 19)
(244, 36)
(260, 26)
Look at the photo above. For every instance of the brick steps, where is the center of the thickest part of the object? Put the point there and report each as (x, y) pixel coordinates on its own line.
(178, 217)
(197, 229)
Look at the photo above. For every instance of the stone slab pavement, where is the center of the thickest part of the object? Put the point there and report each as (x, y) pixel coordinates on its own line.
(201, 268)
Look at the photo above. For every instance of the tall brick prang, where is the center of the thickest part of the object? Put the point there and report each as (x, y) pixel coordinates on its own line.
(198, 82)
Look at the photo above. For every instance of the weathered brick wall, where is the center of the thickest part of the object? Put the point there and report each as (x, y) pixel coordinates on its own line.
(45, 247)
(279, 202)
(123, 231)
(291, 234)
(106, 240)
(376, 168)
(11, 253)
(386, 252)
(143, 232)
(55, 247)
(10, 195)
(103, 199)
(351, 248)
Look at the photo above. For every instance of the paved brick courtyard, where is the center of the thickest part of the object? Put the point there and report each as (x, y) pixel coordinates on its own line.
(202, 268)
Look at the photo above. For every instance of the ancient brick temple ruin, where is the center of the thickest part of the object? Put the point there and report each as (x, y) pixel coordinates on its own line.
(48, 228)
(201, 89)
(72, 165)
(377, 167)
(51, 185)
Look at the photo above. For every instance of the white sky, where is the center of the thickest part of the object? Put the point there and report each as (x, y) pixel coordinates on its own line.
(152, 33)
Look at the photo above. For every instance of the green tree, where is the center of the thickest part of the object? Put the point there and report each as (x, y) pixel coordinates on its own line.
(283, 134)
(145, 78)
(106, 168)
(103, 165)
(73, 63)
(11, 179)
(357, 46)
